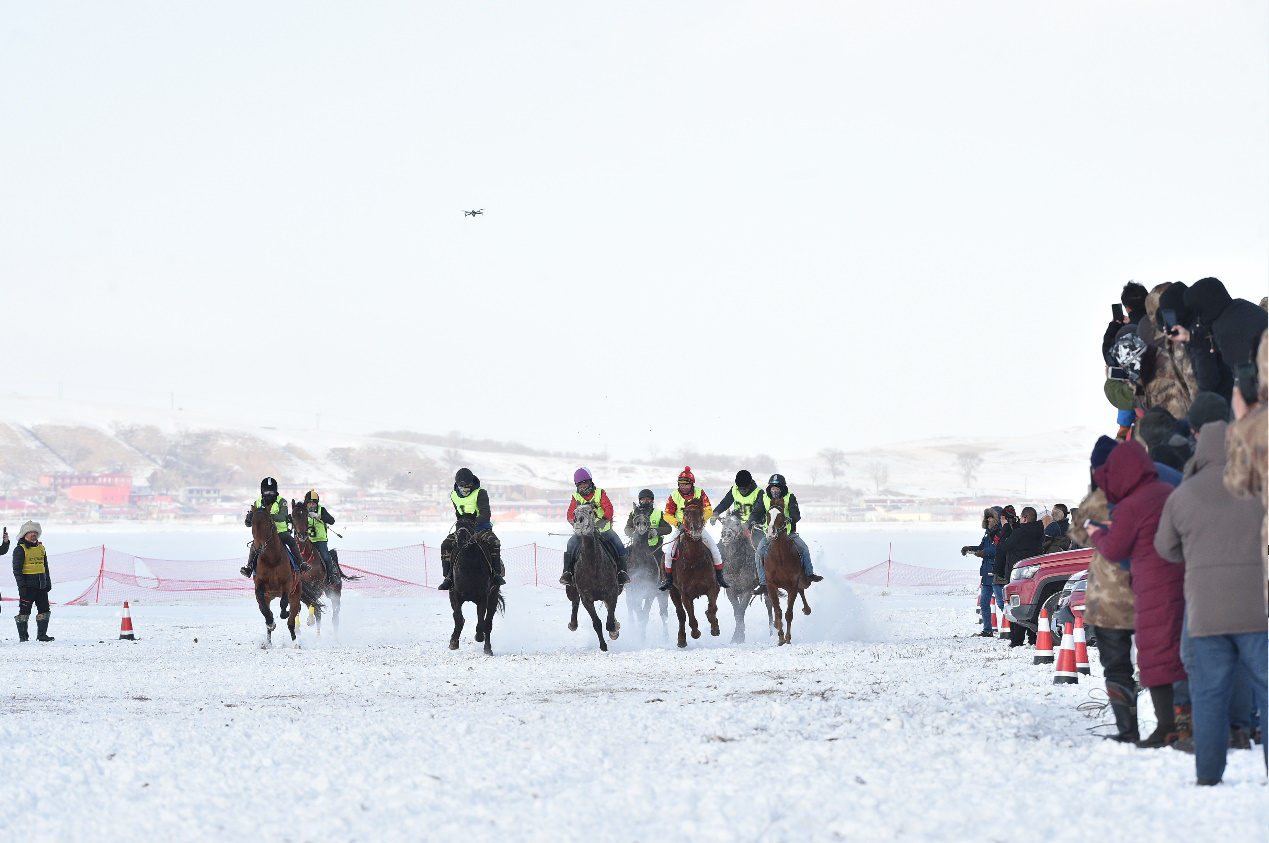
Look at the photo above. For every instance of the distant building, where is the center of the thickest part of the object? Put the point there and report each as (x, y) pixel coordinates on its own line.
(196, 495)
(60, 480)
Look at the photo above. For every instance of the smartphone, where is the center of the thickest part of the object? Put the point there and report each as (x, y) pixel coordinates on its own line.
(1117, 310)
(1118, 374)
(1169, 317)
(1090, 522)
(1245, 379)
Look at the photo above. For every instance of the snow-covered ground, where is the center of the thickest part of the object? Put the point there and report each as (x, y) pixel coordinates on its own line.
(884, 720)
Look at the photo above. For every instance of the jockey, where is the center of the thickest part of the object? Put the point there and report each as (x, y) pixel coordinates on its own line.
(469, 499)
(778, 488)
(659, 526)
(588, 495)
(743, 495)
(319, 518)
(686, 491)
(270, 501)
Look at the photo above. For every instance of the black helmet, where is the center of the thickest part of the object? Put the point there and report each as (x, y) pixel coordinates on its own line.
(646, 493)
(465, 476)
(777, 480)
(744, 480)
(311, 496)
(268, 486)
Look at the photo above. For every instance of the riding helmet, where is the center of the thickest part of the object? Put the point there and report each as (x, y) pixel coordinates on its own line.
(582, 474)
(311, 496)
(465, 476)
(778, 481)
(268, 486)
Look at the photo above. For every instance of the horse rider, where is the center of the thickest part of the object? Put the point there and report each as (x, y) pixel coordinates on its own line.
(743, 496)
(30, 571)
(659, 526)
(270, 501)
(777, 488)
(470, 499)
(319, 518)
(588, 495)
(685, 491)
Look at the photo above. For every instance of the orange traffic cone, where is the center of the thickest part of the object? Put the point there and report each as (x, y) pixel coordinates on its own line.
(1004, 629)
(1081, 647)
(1065, 674)
(125, 628)
(1043, 639)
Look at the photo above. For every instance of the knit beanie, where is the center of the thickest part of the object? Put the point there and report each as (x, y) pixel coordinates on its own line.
(686, 474)
(744, 480)
(1101, 451)
(1207, 407)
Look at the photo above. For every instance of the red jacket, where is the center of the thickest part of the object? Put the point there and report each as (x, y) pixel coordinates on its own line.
(605, 505)
(672, 509)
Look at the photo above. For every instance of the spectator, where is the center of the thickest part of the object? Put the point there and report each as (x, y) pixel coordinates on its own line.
(1194, 340)
(1133, 299)
(1172, 297)
(1235, 324)
(1134, 490)
(1210, 531)
(1247, 451)
(1171, 386)
(30, 570)
(986, 551)
(1056, 527)
(1024, 541)
(1108, 607)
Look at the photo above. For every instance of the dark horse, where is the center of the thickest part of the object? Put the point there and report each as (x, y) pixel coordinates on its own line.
(473, 583)
(783, 567)
(594, 576)
(693, 574)
(646, 573)
(313, 583)
(274, 575)
(739, 569)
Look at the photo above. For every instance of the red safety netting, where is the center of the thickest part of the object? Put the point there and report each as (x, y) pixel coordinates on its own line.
(897, 574)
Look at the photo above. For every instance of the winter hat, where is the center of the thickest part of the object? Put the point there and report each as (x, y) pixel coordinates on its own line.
(1207, 300)
(1207, 407)
(1155, 427)
(1008, 512)
(1128, 352)
(1173, 298)
(465, 476)
(31, 527)
(744, 480)
(1169, 455)
(580, 475)
(686, 474)
(1120, 394)
(1101, 451)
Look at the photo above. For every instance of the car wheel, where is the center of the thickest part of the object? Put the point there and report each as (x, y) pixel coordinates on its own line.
(1051, 606)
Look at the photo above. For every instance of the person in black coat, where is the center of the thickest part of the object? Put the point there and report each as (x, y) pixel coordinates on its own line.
(30, 571)
(1024, 541)
(1235, 324)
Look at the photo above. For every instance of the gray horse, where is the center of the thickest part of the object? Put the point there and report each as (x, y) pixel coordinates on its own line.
(646, 573)
(594, 576)
(740, 570)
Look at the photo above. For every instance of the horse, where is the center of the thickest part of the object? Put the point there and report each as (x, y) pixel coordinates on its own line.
(646, 573)
(472, 572)
(594, 576)
(274, 575)
(740, 570)
(694, 577)
(313, 582)
(783, 567)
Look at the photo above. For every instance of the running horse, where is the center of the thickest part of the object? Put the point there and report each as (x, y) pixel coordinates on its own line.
(739, 569)
(694, 577)
(783, 567)
(313, 583)
(474, 583)
(594, 576)
(646, 573)
(274, 577)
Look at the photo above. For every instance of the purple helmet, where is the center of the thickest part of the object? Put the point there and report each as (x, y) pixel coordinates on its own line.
(580, 475)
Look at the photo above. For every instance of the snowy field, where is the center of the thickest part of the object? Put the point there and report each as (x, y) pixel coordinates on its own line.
(884, 720)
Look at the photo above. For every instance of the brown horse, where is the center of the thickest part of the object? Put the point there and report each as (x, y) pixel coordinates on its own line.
(783, 567)
(313, 582)
(274, 575)
(693, 566)
(594, 577)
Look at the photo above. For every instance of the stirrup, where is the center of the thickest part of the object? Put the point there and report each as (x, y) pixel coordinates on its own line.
(623, 577)
(814, 577)
(566, 578)
(245, 570)
(446, 584)
(759, 589)
(305, 567)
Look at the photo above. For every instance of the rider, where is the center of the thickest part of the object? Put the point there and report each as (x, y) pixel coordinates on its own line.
(588, 495)
(319, 518)
(743, 495)
(469, 499)
(674, 509)
(659, 526)
(778, 488)
(281, 519)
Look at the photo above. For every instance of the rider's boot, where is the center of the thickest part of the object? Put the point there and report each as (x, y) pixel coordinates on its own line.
(813, 577)
(622, 576)
(669, 581)
(23, 634)
(566, 578)
(249, 569)
(760, 589)
(332, 572)
(448, 582)
(499, 571)
(718, 575)
(41, 628)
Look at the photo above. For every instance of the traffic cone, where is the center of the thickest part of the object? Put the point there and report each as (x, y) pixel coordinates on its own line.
(1043, 639)
(1081, 647)
(1065, 674)
(125, 628)
(1004, 629)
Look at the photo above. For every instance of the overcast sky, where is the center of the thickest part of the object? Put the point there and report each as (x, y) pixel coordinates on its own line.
(748, 227)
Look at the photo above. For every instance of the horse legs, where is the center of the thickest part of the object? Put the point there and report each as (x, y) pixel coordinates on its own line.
(806, 607)
(262, 600)
(773, 609)
(458, 621)
(737, 637)
(296, 607)
(575, 597)
(678, 607)
(614, 628)
(711, 613)
(599, 631)
(491, 606)
(690, 606)
(788, 618)
(336, 595)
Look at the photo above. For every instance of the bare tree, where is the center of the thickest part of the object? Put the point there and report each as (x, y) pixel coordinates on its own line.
(969, 464)
(880, 474)
(835, 459)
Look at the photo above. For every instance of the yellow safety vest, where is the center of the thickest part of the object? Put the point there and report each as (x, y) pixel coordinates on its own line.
(654, 521)
(766, 502)
(744, 503)
(679, 503)
(465, 505)
(316, 526)
(595, 498)
(273, 510)
(33, 561)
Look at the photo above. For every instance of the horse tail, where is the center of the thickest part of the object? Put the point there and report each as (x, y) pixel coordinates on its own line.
(351, 577)
(502, 604)
(312, 595)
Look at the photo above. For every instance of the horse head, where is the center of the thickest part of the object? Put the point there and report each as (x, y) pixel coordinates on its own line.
(583, 519)
(732, 526)
(465, 530)
(262, 529)
(642, 523)
(694, 520)
(775, 517)
(299, 518)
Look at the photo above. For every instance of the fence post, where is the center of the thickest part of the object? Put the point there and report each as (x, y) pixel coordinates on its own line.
(425, 564)
(101, 574)
(535, 564)
(889, 563)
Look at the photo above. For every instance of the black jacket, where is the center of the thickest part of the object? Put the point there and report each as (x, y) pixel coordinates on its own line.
(41, 582)
(1235, 324)
(791, 511)
(1026, 540)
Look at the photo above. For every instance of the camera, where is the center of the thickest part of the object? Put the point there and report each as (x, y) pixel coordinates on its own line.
(1246, 381)
(1118, 374)
(1169, 317)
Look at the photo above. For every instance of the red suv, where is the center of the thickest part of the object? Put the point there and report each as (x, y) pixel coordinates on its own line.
(1037, 583)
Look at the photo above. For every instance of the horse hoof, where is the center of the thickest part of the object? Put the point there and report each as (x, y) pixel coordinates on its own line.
(480, 636)
(453, 645)
(806, 610)
(682, 642)
(270, 626)
(572, 627)
(696, 633)
(715, 631)
(603, 648)
(614, 634)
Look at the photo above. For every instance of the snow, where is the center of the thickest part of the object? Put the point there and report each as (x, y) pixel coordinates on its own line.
(886, 719)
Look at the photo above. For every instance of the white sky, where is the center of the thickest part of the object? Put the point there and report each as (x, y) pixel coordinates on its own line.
(748, 227)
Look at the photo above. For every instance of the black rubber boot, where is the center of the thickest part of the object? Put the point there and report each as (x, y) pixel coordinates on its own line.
(1165, 732)
(814, 577)
(718, 575)
(249, 570)
(447, 583)
(622, 576)
(1123, 702)
(499, 572)
(669, 581)
(332, 572)
(760, 589)
(566, 578)
(41, 629)
(23, 634)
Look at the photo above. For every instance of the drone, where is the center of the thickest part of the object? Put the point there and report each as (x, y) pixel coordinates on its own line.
(473, 213)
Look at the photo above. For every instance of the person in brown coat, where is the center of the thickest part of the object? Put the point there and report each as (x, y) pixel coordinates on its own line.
(1214, 533)
(1247, 445)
